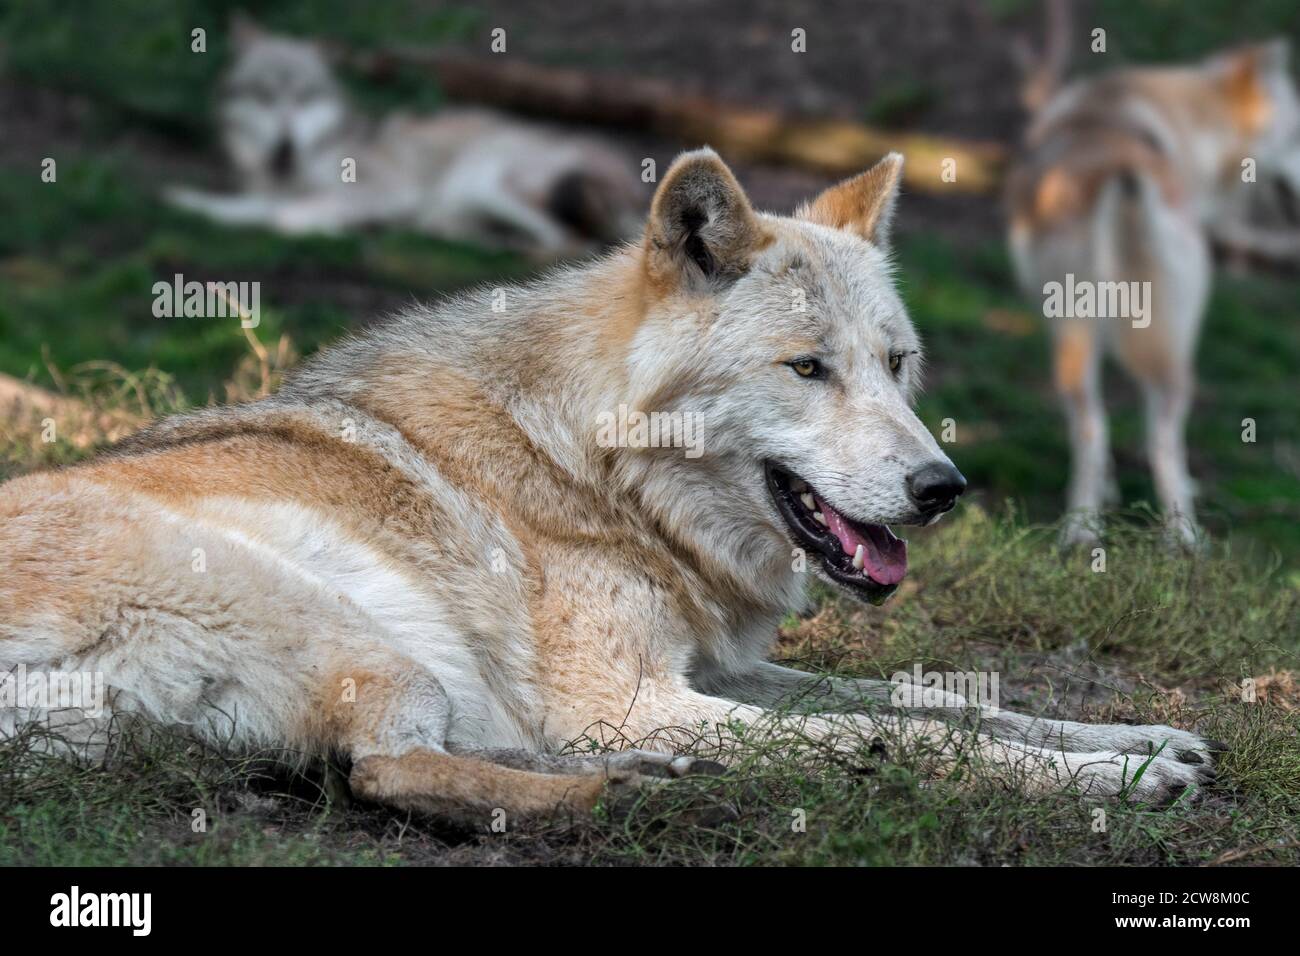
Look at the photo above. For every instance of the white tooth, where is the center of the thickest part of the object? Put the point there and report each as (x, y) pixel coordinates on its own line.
(857, 558)
(808, 502)
(799, 485)
(821, 518)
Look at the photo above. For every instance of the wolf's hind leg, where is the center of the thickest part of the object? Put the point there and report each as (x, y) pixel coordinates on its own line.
(467, 789)
(645, 763)
(1167, 406)
(393, 723)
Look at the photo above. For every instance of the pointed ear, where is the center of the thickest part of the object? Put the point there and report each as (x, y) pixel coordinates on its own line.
(702, 229)
(1242, 63)
(1246, 75)
(863, 205)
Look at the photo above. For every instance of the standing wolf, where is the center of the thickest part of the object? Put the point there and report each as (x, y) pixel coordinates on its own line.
(462, 174)
(419, 554)
(1121, 176)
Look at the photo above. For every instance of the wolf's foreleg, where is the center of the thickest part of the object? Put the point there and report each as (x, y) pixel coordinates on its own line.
(245, 209)
(772, 685)
(324, 213)
(718, 727)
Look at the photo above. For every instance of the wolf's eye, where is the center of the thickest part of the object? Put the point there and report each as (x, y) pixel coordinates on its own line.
(807, 367)
(895, 361)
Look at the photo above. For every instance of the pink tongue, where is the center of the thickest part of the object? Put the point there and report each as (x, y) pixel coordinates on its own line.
(884, 555)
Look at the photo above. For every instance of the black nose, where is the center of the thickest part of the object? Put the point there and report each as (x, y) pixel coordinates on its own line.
(935, 487)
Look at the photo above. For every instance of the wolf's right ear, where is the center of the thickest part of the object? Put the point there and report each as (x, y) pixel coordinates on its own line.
(702, 228)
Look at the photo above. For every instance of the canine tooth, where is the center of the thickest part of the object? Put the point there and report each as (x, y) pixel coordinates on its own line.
(821, 518)
(857, 558)
(808, 502)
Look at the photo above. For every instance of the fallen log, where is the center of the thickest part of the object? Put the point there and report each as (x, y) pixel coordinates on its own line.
(828, 145)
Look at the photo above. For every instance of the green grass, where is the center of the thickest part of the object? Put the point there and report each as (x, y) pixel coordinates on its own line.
(993, 594)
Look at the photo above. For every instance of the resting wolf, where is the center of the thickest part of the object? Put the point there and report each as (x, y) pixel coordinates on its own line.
(423, 555)
(307, 162)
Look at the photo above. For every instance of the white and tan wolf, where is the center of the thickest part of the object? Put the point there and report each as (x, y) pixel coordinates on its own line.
(422, 555)
(1123, 178)
(464, 174)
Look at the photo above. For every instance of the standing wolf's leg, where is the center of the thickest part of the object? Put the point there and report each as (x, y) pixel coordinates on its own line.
(1077, 372)
(1160, 355)
(1167, 405)
(771, 685)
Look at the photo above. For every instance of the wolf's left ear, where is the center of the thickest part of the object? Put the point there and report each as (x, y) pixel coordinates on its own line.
(863, 205)
(702, 229)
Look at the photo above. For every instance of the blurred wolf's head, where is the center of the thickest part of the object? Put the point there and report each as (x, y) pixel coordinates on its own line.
(279, 103)
(1263, 105)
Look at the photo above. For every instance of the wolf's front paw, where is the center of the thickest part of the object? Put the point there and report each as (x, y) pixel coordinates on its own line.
(1170, 743)
(1150, 780)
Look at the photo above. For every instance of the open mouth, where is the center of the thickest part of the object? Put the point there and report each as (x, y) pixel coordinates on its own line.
(869, 559)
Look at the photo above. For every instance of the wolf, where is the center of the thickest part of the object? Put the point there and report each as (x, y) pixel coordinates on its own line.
(307, 163)
(420, 557)
(1123, 180)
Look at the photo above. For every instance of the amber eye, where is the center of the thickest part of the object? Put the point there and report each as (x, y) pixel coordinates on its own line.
(895, 361)
(807, 368)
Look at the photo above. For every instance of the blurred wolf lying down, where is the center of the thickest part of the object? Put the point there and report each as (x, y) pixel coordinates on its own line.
(418, 556)
(463, 174)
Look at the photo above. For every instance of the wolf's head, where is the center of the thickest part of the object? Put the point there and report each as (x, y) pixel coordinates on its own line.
(786, 338)
(1262, 105)
(279, 103)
